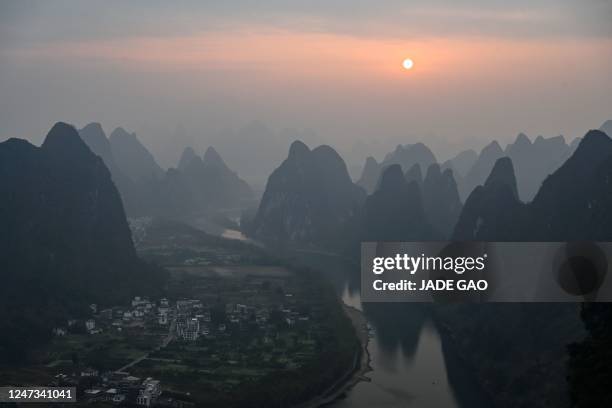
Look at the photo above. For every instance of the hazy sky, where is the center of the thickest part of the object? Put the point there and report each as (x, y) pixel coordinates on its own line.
(201, 72)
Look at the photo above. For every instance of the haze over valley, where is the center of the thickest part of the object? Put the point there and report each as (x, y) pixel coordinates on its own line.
(190, 191)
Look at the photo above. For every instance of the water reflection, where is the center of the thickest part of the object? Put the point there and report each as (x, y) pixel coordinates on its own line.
(411, 364)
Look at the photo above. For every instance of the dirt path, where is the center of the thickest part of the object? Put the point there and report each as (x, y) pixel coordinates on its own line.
(163, 344)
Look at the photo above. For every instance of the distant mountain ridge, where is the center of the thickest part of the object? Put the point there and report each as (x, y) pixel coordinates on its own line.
(196, 186)
(572, 203)
(95, 138)
(212, 181)
(481, 168)
(404, 155)
(311, 200)
(132, 157)
(606, 127)
(533, 162)
(461, 163)
(187, 157)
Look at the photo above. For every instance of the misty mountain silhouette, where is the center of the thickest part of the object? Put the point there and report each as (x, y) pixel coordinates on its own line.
(370, 174)
(93, 135)
(95, 138)
(606, 127)
(572, 204)
(441, 199)
(481, 168)
(132, 157)
(414, 174)
(294, 208)
(394, 212)
(211, 181)
(493, 209)
(533, 162)
(186, 157)
(213, 159)
(406, 156)
(64, 240)
(307, 198)
(503, 174)
(195, 187)
(461, 163)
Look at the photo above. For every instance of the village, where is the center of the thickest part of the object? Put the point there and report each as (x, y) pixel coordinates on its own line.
(228, 331)
(233, 326)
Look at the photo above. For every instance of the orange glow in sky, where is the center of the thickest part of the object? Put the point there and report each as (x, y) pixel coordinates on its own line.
(320, 55)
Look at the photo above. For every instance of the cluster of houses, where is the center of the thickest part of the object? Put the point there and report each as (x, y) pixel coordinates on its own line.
(139, 226)
(120, 388)
(140, 311)
(89, 326)
(186, 319)
(194, 319)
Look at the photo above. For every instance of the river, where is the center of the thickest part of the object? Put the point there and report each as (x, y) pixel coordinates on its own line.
(411, 364)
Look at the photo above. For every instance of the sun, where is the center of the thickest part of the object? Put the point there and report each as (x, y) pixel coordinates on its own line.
(408, 63)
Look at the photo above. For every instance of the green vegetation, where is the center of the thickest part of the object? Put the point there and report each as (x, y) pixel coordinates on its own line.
(254, 364)
(104, 351)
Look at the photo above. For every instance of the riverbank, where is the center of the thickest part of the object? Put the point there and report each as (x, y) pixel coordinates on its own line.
(360, 367)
